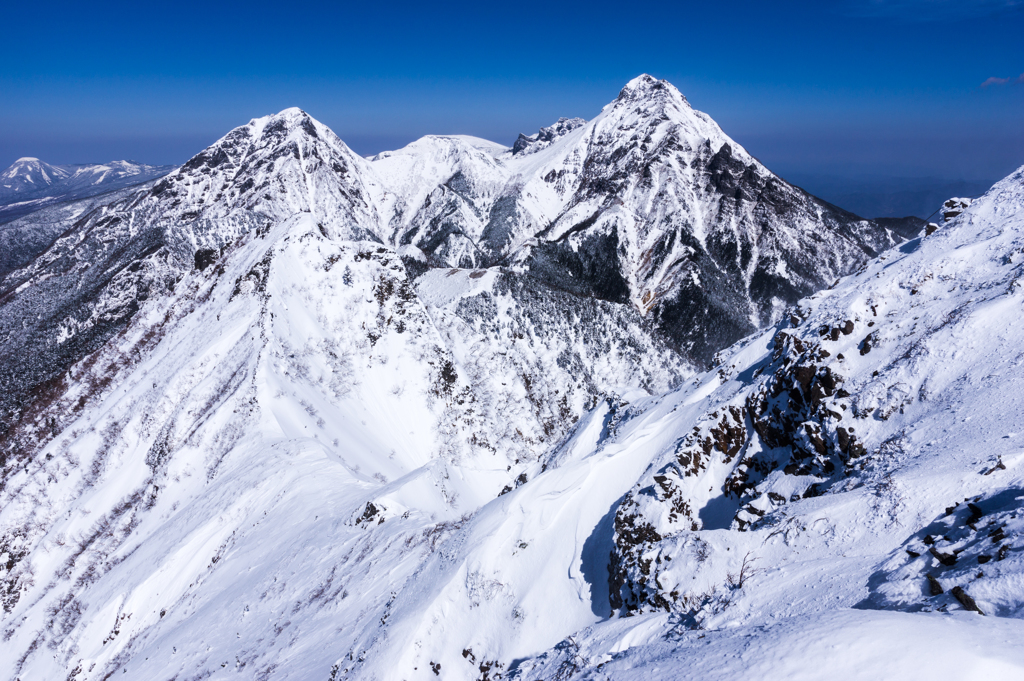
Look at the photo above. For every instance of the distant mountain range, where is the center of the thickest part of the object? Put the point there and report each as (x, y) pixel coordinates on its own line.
(30, 184)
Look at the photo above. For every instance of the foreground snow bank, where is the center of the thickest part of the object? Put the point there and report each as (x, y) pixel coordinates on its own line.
(845, 644)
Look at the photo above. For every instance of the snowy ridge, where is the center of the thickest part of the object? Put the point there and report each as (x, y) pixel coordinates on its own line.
(531, 144)
(292, 413)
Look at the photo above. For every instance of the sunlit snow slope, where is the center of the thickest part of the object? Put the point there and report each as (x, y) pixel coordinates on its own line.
(844, 496)
(290, 413)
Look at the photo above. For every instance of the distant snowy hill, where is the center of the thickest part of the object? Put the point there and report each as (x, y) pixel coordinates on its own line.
(30, 184)
(28, 176)
(463, 411)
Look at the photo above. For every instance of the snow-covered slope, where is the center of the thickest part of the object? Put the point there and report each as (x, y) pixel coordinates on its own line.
(859, 461)
(292, 413)
(233, 343)
(30, 184)
(305, 373)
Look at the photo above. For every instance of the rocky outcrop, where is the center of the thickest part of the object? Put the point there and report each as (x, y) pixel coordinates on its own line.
(531, 144)
(827, 411)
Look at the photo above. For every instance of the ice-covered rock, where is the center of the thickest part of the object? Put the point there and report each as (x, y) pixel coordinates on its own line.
(951, 208)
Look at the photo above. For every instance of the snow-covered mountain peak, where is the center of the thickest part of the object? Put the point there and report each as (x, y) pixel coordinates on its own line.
(290, 125)
(289, 116)
(657, 105)
(28, 175)
(292, 112)
(649, 199)
(449, 146)
(658, 189)
(646, 88)
(437, 193)
(274, 167)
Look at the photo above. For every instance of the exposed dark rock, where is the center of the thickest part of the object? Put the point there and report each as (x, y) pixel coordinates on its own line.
(965, 600)
(205, 257)
(947, 559)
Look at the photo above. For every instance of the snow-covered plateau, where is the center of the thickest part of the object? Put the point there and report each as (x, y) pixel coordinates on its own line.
(613, 403)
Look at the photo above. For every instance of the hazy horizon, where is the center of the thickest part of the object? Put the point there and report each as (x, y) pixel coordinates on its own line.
(876, 89)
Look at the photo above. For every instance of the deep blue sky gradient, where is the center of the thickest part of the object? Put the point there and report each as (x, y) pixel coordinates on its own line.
(862, 89)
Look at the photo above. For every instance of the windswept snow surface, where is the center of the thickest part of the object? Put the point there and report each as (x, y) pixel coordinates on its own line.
(256, 426)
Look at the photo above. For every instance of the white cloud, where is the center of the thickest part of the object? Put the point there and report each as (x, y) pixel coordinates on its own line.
(1003, 81)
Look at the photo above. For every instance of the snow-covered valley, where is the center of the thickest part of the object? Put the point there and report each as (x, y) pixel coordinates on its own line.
(466, 411)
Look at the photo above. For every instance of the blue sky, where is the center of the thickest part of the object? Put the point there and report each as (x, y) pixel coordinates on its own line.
(853, 88)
